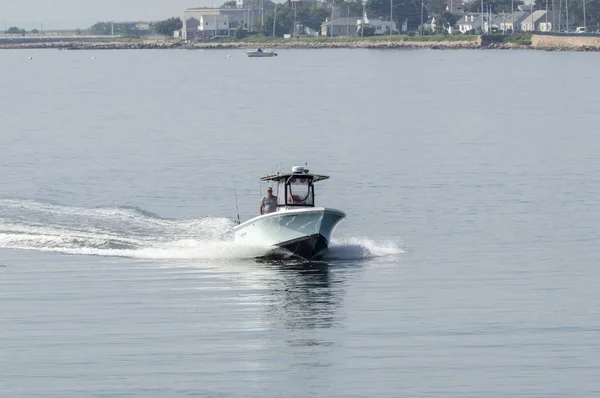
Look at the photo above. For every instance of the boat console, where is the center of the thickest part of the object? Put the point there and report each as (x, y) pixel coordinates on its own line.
(295, 189)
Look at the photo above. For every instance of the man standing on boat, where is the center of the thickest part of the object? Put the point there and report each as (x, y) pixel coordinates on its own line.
(268, 204)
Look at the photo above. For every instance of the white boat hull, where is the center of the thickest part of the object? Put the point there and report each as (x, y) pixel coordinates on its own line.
(303, 232)
(261, 54)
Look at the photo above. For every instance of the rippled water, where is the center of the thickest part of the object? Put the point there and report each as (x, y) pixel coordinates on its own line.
(466, 266)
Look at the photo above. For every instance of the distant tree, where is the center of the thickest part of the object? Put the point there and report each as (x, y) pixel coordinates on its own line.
(446, 20)
(436, 7)
(497, 5)
(268, 5)
(229, 4)
(312, 17)
(240, 33)
(355, 7)
(35, 31)
(403, 10)
(378, 7)
(127, 29)
(282, 19)
(168, 26)
(13, 30)
(100, 28)
(592, 12)
(472, 6)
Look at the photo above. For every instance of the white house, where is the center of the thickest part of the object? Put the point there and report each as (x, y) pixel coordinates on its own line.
(510, 21)
(193, 27)
(471, 21)
(539, 21)
(340, 27)
(381, 27)
(214, 25)
(350, 26)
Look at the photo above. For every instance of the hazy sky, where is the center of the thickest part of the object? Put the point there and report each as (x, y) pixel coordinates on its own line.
(64, 14)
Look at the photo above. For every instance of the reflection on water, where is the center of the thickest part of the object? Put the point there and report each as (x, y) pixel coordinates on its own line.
(308, 297)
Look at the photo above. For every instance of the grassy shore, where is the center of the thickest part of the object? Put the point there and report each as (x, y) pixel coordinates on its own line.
(351, 39)
(520, 41)
(253, 41)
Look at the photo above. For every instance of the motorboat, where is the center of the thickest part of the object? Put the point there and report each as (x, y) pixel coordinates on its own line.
(297, 228)
(260, 53)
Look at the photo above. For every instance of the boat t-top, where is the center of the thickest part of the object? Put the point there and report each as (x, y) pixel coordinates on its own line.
(297, 227)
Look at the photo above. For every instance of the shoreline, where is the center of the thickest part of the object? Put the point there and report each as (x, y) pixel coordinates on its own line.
(239, 45)
(538, 42)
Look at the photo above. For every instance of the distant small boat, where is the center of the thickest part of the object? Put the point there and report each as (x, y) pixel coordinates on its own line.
(260, 53)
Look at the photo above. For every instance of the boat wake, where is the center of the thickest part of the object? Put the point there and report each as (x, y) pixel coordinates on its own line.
(357, 248)
(135, 233)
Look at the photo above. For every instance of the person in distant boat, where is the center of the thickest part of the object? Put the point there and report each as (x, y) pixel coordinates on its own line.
(259, 50)
(268, 204)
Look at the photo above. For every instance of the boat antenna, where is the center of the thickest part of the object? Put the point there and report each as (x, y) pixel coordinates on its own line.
(236, 204)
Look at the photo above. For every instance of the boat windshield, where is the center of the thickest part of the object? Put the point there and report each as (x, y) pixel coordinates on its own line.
(281, 193)
(300, 191)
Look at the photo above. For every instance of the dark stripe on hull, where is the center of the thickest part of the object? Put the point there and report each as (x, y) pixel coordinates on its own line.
(310, 247)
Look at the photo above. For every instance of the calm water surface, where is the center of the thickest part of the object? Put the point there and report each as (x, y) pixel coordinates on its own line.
(467, 265)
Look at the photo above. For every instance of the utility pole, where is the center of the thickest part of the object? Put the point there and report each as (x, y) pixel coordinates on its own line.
(422, 17)
(567, 11)
(391, 10)
(559, 15)
(481, 16)
(332, 19)
(362, 22)
(294, 27)
(584, 19)
(553, 15)
(532, 24)
(274, 20)
(347, 23)
(546, 29)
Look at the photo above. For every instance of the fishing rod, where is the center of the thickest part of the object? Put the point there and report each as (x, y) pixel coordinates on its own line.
(236, 204)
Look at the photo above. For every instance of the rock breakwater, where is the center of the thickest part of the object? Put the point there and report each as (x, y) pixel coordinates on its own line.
(174, 44)
(538, 42)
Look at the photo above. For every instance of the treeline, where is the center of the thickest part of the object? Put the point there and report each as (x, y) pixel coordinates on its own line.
(13, 30)
(283, 20)
(165, 27)
(413, 12)
(576, 9)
